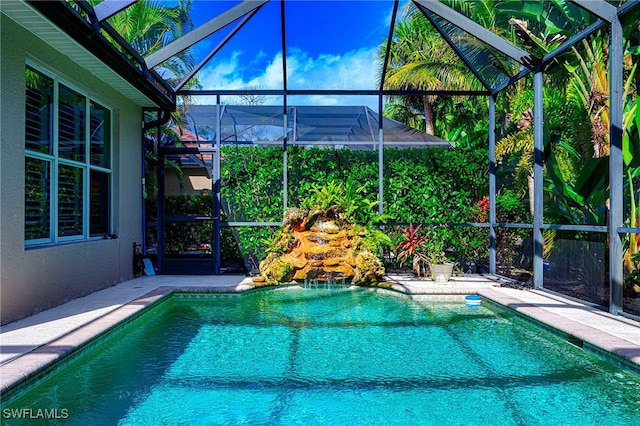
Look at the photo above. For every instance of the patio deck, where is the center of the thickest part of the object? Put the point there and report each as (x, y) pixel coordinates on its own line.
(28, 345)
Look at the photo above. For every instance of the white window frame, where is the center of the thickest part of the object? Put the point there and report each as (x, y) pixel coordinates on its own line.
(56, 161)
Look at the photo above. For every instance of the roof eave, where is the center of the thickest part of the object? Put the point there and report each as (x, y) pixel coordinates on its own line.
(145, 80)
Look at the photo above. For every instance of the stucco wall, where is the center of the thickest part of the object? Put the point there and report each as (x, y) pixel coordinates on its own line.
(38, 278)
(193, 182)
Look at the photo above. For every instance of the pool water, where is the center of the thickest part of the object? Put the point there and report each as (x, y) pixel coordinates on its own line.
(305, 357)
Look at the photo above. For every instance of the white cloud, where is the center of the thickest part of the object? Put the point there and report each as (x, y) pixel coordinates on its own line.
(224, 74)
(353, 70)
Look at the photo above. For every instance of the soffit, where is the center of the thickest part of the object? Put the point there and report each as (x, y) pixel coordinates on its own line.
(34, 22)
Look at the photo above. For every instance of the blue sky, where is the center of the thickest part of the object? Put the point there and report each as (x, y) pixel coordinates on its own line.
(330, 45)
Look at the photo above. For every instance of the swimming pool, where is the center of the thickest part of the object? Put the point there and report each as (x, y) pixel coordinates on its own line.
(331, 357)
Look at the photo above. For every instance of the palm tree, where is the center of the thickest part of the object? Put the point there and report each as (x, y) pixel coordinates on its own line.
(421, 60)
(588, 82)
(587, 86)
(150, 25)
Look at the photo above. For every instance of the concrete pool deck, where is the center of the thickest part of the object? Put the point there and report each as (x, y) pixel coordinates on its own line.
(29, 345)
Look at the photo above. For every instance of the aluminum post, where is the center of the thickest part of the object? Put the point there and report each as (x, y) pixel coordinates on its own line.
(285, 161)
(538, 179)
(492, 185)
(217, 200)
(380, 157)
(615, 167)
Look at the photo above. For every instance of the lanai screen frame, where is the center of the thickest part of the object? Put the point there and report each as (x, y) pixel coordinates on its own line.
(607, 15)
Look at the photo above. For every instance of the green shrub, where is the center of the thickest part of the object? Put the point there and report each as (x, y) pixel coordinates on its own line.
(420, 185)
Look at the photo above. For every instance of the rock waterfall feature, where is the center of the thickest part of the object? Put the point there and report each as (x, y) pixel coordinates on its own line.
(320, 245)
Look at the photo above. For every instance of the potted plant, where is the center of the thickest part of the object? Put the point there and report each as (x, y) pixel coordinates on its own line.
(425, 250)
(440, 266)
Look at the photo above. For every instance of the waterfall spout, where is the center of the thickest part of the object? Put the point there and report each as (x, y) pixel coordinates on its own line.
(328, 284)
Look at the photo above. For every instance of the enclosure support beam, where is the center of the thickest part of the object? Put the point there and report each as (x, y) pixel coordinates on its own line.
(572, 41)
(202, 32)
(492, 184)
(600, 8)
(107, 8)
(320, 92)
(160, 205)
(143, 174)
(385, 63)
(616, 215)
(217, 201)
(538, 189)
(380, 158)
(285, 160)
(627, 6)
(283, 36)
(477, 31)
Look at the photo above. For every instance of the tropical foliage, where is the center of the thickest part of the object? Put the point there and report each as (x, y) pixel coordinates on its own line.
(421, 60)
(150, 25)
(412, 247)
(429, 186)
(577, 116)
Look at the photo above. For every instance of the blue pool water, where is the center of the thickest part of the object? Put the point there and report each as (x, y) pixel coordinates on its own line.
(305, 357)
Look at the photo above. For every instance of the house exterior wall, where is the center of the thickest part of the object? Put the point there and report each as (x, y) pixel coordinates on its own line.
(34, 279)
(194, 181)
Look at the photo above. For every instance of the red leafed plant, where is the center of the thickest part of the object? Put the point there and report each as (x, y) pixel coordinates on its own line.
(409, 248)
(483, 204)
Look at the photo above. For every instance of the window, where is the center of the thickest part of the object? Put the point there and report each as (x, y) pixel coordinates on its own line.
(67, 162)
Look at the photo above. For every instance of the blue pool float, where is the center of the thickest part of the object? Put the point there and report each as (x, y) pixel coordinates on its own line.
(473, 300)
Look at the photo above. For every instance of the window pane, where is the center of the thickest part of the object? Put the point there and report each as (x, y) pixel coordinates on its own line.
(71, 125)
(37, 200)
(69, 201)
(100, 137)
(39, 107)
(99, 203)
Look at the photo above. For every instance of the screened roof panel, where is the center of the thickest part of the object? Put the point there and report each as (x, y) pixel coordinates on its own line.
(239, 124)
(306, 124)
(541, 17)
(338, 45)
(329, 99)
(492, 66)
(174, 71)
(244, 99)
(252, 57)
(631, 21)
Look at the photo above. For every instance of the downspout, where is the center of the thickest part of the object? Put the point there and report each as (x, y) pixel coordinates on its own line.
(162, 119)
(380, 155)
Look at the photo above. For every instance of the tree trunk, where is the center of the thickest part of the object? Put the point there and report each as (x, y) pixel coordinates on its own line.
(428, 115)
